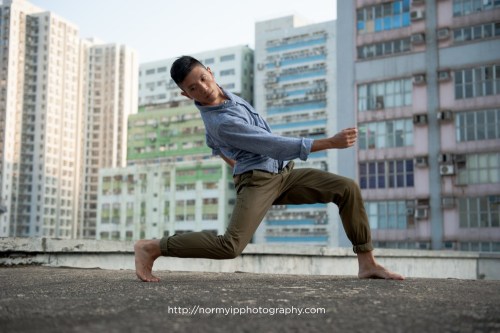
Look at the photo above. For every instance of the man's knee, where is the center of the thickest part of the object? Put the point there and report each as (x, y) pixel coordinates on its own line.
(232, 249)
(232, 253)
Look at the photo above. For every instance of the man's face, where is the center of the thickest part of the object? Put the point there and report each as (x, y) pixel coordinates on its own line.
(200, 85)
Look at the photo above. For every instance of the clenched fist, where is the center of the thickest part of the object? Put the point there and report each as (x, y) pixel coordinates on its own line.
(343, 139)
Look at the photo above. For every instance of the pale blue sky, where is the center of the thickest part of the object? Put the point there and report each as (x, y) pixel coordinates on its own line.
(169, 28)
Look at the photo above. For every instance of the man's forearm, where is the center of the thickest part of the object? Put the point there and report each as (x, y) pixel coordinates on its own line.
(344, 139)
(321, 144)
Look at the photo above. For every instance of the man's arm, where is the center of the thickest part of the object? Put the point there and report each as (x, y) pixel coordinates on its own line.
(344, 139)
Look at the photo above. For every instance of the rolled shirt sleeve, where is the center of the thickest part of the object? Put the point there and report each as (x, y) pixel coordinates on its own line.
(241, 135)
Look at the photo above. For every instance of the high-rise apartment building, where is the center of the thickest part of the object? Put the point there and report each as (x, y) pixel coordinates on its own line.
(58, 95)
(110, 77)
(295, 89)
(172, 184)
(40, 116)
(424, 79)
(232, 67)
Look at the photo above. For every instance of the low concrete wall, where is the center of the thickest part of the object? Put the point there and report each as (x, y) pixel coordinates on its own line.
(271, 259)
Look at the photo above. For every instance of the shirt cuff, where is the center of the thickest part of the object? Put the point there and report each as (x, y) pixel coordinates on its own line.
(305, 148)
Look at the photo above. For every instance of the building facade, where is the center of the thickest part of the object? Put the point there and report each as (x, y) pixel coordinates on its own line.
(110, 76)
(295, 89)
(160, 133)
(40, 116)
(63, 112)
(424, 81)
(232, 67)
(171, 185)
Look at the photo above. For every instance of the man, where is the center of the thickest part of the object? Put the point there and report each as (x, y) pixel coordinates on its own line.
(263, 176)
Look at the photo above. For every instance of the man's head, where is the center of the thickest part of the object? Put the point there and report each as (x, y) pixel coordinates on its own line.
(196, 81)
(182, 67)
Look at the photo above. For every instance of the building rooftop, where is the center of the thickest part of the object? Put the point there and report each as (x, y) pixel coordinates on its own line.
(48, 299)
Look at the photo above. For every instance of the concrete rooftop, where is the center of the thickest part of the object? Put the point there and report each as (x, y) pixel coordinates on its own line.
(47, 299)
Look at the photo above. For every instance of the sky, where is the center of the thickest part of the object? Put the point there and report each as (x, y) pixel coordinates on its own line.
(160, 29)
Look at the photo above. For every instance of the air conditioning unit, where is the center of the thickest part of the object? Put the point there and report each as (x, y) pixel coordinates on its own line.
(443, 33)
(417, 15)
(260, 66)
(421, 161)
(444, 76)
(421, 213)
(420, 119)
(419, 79)
(417, 38)
(445, 115)
(446, 169)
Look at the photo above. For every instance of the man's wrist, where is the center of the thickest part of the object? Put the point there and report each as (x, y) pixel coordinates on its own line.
(321, 144)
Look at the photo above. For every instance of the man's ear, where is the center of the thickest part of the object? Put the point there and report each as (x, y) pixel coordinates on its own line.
(210, 71)
(185, 95)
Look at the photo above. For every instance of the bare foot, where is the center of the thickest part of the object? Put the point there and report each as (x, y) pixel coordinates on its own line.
(369, 269)
(379, 272)
(146, 252)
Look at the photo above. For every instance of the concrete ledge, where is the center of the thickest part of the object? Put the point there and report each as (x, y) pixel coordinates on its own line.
(270, 259)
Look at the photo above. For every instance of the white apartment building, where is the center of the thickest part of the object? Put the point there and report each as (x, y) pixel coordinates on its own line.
(157, 200)
(295, 89)
(232, 67)
(110, 73)
(40, 121)
(64, 104)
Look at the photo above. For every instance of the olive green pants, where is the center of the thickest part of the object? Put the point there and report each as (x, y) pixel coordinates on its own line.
(256, 192)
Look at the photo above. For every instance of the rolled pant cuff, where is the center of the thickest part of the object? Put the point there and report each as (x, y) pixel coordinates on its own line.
(163, 246)
(363, 248)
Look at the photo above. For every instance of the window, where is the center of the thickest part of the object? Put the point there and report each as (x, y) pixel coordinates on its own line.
(228, 86)
(477, 125)
(467, 7)
(394, 133)
(381, 17)
(479, 212)
(105, 213)
(385, 48)
(386, 94)
(227, 72)
(209, 61)
(480, 169)
(161, 69)
(478, 81)
(386, 174)
(228, 57)
(482, 31)
(387, 214)
(150, 71)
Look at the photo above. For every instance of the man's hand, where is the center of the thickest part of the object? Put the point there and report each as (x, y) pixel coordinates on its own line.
(344, 139)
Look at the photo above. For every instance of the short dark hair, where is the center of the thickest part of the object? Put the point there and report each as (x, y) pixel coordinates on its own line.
(182, 67)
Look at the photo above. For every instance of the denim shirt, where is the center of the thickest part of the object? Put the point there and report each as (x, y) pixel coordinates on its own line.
(235, 130)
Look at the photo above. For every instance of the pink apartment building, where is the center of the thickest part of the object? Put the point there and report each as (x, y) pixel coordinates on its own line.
(425, 83)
